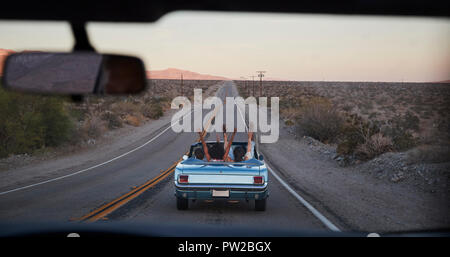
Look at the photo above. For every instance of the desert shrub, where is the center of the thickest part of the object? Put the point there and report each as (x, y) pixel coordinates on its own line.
(289, 123)
(401, 139)
(408, 121)
(354, 132)
(390, 108)
(163, 101)
(125, 107)
(289, 102)
(443, 111)
(319, 119)
(417, 108)
(417, 101)
(30, 122)
(132, 120)
(365, 112)
(363, 139)
(373, 115)
(78, 114)
(381, 100)
(112, 120)
(443, 126)
(152, 110)
(350, 141)
(366, 106)
(57, 122)
(289, 113)
(377, 144)
(346, 147)
(93, 127)
(400, 129)
(347, 108)
(426, 115)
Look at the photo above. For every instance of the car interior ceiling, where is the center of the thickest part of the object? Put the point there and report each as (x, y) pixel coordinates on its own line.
(150, 11)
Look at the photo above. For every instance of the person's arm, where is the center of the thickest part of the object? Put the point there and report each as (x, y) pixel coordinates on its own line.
(205, 147)
(225, 143)
(225, 156)
(249, 146)
(225, 138)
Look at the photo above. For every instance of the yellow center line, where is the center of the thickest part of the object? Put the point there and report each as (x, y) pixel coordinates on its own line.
(116, 203)
(126, 200)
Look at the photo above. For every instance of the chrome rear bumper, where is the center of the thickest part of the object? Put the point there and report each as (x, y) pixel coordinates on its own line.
(235, 191)
(236, 187)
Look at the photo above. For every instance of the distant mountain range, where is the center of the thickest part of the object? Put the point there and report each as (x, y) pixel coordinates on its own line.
(173, 73)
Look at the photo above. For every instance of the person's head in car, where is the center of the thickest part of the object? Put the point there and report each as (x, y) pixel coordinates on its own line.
(239, 153)
(199, 154)
(216, 151)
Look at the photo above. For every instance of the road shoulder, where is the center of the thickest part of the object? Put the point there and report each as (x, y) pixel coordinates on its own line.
(351, 196)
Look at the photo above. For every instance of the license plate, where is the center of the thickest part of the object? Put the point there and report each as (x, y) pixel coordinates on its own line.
(221, 193)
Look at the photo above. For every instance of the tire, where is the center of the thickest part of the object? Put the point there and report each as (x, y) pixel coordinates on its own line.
(182, 203)
(260, 205)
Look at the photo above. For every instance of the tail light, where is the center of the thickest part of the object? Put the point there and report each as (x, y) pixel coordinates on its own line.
(258, 180)
(183, 179)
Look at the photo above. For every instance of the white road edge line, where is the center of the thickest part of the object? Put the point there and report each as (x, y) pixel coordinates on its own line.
(95, 166)
(313, 210)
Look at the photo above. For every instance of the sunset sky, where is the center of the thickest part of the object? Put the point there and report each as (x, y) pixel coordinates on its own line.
(293, 47)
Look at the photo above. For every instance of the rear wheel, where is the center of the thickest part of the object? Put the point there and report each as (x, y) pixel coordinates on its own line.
(260, 205)
(182, 203)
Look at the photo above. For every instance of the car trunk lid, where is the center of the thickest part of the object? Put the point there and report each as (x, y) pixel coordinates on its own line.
(221, 173)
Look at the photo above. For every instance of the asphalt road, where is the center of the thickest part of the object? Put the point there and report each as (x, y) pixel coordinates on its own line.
(70, 198)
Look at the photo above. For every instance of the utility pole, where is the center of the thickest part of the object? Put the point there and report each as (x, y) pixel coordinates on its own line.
(260, 75)
(248, 87)
(253, 84)
(245, 83)
(182, 93)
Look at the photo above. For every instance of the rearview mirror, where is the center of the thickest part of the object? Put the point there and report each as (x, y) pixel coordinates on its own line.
(76, 73)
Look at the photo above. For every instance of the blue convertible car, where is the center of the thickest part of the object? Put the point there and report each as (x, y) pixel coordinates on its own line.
(200, 179)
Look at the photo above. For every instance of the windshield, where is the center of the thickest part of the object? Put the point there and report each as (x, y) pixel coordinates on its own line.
(350, 113)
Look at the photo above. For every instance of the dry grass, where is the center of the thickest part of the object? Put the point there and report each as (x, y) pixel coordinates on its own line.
(93, 127)
(374, 146)
(406, 114)
(319, 119)
(429, 154)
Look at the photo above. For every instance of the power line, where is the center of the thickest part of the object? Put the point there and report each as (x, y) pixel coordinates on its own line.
(245, 84)
(260, 75)
(182, 93)
(253, 84)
